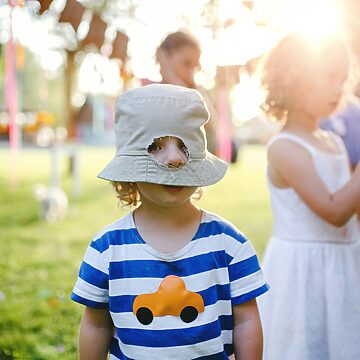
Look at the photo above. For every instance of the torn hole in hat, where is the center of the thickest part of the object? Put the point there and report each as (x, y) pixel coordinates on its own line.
(169, 151)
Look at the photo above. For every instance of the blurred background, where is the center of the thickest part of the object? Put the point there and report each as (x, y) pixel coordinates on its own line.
(62, 64)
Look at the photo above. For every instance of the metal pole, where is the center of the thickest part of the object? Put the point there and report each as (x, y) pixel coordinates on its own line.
(11, 100)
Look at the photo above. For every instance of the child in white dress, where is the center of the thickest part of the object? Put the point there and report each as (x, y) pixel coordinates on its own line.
(312, 262)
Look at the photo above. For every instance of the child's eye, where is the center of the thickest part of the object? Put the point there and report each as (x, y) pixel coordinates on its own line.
(153, 147)
(185, 150)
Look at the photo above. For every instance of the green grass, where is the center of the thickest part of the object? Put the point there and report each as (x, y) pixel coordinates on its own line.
(39, 261)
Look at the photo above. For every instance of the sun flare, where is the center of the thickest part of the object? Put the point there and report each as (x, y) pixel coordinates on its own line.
(317, 18)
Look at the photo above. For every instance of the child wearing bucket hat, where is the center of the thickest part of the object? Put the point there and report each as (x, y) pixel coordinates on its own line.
(168, 280)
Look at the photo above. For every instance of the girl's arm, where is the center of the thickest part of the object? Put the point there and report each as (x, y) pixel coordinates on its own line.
(353, 168)
(358, 211)
(292, 166)
(247, 332)
(96, 330)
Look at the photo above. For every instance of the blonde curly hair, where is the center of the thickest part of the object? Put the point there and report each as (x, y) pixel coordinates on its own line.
(288, 70)
(129, 196)
(126, 192)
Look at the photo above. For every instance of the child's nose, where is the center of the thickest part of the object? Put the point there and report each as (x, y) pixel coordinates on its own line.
(175, 157)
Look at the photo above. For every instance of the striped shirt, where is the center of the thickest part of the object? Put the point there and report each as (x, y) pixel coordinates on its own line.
(219, 264)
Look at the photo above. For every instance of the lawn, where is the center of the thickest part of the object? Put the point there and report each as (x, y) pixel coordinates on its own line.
(39, 261)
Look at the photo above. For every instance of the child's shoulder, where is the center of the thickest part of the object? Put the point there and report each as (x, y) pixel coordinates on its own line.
(122, 225)
(235, 243)
(214, 224)
(287, 150)
(283, 143)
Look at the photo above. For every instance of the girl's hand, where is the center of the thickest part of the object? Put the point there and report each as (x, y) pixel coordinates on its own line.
(357, 174)
(357, 170)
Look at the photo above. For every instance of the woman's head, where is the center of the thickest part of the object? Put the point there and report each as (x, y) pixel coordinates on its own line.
(184, 53)
(303, 74)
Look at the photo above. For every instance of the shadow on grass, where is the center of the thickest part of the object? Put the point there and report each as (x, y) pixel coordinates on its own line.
(6, 355)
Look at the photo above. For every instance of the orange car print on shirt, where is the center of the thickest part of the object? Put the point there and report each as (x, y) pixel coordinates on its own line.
(172, 298)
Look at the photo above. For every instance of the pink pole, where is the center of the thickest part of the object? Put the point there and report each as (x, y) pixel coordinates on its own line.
(11, 101)
(224, 126)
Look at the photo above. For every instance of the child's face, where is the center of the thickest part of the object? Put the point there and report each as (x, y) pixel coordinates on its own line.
(168, 151)
(185, 61)
(323, 95)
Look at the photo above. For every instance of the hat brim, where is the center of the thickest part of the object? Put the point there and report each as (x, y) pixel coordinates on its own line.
(143, 168)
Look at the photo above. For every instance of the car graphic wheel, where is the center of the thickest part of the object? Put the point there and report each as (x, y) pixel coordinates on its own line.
(188, 314)
(144, 315)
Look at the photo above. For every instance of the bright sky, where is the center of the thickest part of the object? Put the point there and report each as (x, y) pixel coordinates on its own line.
(155, 19)
(236, 43)
(316, 16)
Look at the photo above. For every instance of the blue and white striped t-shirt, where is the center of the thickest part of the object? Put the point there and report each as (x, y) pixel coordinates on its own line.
(219, 264)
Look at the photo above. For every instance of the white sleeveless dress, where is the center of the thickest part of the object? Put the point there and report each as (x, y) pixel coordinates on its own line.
(312, 311)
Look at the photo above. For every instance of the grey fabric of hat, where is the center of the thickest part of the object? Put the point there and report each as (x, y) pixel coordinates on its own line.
(149, 112)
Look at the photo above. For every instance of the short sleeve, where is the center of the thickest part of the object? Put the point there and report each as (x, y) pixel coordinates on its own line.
(92, 286)
(246, 277)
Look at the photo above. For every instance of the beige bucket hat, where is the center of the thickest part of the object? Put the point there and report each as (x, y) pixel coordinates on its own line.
(149, 112)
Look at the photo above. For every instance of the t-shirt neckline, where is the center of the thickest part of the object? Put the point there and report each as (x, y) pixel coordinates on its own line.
(166, 256)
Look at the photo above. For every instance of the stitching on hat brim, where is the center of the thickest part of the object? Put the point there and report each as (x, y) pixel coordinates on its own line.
(195, 173)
